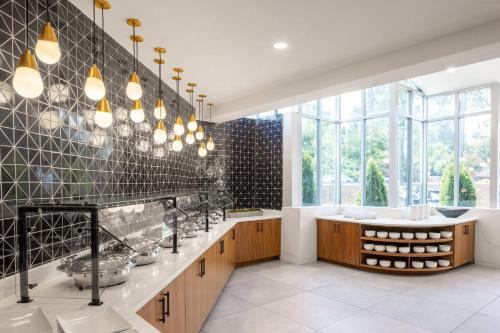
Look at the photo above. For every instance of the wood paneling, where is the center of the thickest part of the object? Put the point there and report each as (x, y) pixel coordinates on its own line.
(167, 311)
(465, 234)
(339, 241)
(258, 240)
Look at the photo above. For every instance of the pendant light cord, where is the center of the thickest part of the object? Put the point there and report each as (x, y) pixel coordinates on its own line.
(94, 51)
(102, 44)
(159, 76)
(177, 85)
(26, 21)
(48, 12)
(137, 58)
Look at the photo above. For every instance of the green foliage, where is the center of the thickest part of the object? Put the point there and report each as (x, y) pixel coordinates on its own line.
(467, 191)
(376, 191)
(308, 178)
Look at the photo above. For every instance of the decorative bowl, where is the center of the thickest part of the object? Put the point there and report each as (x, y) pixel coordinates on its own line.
(391, 248)
(385, 263)
(444, 248)
(421, 235)
(408, 235)
(400, 264)
(371, 261)
(370, 233)
(368, 246)
(434, 235)
(404, 249)
(431, 249)
(452, 212)
(446, 234)
(382, 234)
(417, 264)
(443, 262)
(418, 249)
(431, 264)
(394, 235)
(379, 248)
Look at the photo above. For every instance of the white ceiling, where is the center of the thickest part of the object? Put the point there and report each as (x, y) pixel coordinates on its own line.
(464, 77)
(226, 45)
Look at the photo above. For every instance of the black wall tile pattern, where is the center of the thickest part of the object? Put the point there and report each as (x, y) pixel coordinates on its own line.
(50, 148)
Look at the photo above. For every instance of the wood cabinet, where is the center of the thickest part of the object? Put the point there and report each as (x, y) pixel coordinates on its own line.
(339, 241)
(258, 240)
(198, 292)
(464, 243)
(167, 311)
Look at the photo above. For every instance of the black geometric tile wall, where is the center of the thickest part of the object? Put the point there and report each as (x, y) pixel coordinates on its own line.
(50, 148)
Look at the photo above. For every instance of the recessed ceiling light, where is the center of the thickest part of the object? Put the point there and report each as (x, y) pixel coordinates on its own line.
(280, 45)
(451, 69)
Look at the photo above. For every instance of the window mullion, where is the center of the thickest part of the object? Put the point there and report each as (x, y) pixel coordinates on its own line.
(456, 178)
(363, 150)
(495, 103)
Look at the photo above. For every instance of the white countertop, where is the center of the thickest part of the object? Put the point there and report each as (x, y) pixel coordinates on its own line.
(145, 281)
(433, 221)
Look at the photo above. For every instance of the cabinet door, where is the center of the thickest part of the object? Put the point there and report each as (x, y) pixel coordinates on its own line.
(325, 235)
(246, 240)
(271, 231)
(463, 250)
(230, 248)
(347, 243)
(196, 296)
(167, 311)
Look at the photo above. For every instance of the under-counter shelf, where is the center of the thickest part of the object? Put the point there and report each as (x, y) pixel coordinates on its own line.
(406, 255)
(414, 270)
(407, 241)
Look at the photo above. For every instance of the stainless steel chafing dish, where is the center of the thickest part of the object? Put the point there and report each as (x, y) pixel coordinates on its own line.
(114, 268)
(146, 250)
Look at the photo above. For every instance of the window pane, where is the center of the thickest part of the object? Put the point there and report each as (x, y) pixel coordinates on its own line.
(329, 107)
(327, 167)
(417, 106)
(475, 100)
(417, 153)
(310, 108)
(293, 108)
(351, 105)
(377, 161)
(350, 147)
(377, 100)
(441, 105)
(403, 102)
(309, 161)
(403, 160)
(440, 151)
(474, 180)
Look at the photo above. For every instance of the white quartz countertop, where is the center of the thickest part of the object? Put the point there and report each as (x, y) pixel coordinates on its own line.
(433, 221)
(59, 295)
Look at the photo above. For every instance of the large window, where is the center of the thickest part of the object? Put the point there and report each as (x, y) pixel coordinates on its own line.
(443, 154)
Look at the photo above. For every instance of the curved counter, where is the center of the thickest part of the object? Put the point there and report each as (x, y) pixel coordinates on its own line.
(351, 242)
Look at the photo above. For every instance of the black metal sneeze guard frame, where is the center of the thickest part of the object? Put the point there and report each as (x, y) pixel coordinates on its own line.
(85, 206)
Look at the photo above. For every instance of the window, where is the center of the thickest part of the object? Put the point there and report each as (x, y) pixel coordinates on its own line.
(443, 148)
(350, 160)
(309, 161)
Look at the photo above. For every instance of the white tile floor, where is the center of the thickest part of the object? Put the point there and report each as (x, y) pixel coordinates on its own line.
(275, 297)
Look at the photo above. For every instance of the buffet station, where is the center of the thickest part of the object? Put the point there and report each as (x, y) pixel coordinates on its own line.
(408, 246)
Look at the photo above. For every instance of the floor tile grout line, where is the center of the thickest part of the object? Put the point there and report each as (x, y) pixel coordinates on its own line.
(476, 313)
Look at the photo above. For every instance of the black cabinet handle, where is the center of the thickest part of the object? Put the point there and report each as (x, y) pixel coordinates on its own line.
(162, 318)
(168, 303)
(262, 226)
(221, 243)
(201, 268)
(203, 272)
(234, 233)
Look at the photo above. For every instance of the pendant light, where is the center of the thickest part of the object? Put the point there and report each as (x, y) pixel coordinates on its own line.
(47, 48)
(94, 86)
(159, 112)
(210, 142)
(137, 112)
(103, 116)
(192, 125)
(160, 133)
(134, 89)
(199, 133)
(177, 143)
(179, 125)
(27, 80)
(190, 139)
(202, 151)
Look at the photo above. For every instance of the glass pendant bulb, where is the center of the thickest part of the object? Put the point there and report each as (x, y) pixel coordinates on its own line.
(179, 126)
(134, 89)
(160, 133)
(199, 133)
(210, 144)
(202, 151)
(103, 116)
(137, 112)
(47, 47)
(192, 125)
(94, 86)
(190, 138)
(27, 80)
(160, 112)
(177, 144)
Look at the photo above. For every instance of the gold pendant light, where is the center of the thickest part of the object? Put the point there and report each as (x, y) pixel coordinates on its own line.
(179, 125)
(47, 47)
(202, 150)
(192, 125)
(103, 116)
(27, 80)
(94, 86)
(134, 89)
(210, 142)
(137, 112)
(159, 111)
(160, 133)
(177, 143)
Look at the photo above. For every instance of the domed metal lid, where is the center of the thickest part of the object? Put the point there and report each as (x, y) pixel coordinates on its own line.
(108, 263)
